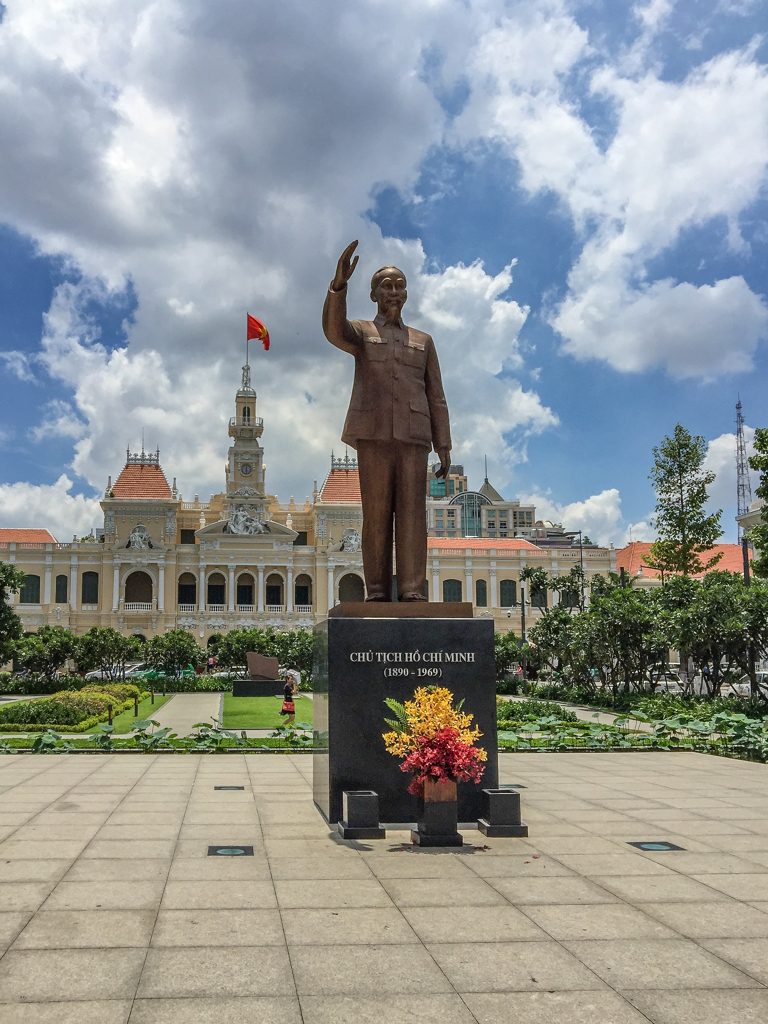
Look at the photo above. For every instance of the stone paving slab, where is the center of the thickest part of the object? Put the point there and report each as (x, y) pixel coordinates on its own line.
(111, 910)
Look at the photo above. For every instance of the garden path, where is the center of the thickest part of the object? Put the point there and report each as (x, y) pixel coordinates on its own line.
(586, 714)
(185, 710)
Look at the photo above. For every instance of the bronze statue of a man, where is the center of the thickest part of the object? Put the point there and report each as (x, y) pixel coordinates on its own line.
(396, 415)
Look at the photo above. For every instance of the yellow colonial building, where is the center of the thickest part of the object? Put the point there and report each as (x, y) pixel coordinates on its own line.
(243, 559)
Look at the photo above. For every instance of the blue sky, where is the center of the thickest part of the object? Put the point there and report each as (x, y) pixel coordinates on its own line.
(576, 191)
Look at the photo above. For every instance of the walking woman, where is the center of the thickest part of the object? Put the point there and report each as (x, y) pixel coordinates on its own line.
(289, 708)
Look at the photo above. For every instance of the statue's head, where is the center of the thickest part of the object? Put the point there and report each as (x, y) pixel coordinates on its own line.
(388, 291)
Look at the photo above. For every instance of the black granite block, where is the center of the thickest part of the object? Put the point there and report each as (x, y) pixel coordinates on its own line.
(425, 839)
(257, 688)
(359, 662)
(502, 831)
(501, 806)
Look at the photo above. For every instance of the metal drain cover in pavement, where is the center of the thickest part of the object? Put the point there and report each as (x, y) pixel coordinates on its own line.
(656, 847)
(229, 787)
(230, 851)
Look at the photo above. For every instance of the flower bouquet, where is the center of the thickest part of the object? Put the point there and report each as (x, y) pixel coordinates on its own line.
(437, 743)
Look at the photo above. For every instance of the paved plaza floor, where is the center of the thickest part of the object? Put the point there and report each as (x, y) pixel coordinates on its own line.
(112, 911)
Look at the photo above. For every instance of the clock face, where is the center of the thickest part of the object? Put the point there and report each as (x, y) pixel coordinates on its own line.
(246, 469)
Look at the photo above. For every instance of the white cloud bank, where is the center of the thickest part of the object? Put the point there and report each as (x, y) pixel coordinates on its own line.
(683, 154)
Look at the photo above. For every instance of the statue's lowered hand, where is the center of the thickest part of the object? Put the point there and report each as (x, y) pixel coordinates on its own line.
(444, 455)
(345, 267)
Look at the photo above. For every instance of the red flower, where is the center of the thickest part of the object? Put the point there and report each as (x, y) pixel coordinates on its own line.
(442, 757)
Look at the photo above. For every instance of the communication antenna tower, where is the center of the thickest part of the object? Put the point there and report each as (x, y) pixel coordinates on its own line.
(743, 484)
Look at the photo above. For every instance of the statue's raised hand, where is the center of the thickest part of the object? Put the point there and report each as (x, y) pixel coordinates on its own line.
(345, 267)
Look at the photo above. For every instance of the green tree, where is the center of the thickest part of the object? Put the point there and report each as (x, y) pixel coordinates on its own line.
(758, 535)
(103, 648)
(11, 629)
(685, 531)
(571, 587)
(536, 579)
(292, 647)
(47, 651)
(713, 628)
(171, 652)
(552, 637)
(507, 649)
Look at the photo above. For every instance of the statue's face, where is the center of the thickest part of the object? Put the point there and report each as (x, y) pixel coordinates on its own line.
(390, 294)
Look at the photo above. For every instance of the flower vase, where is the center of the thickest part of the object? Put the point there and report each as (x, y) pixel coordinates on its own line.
(438, 815)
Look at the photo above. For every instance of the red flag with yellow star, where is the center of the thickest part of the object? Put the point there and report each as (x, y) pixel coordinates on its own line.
(256, 329)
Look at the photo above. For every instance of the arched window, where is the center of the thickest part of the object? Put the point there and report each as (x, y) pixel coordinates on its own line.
(138, 588)
(274, 590)
(61, 589)
(213, 639)
(216, 585)
(451, 590)
(539, 597)
(140, 637)
(245, 590)
(351, 588)
(569, 599)
(90, 588)
(187, 589)
(246, 414)
(303, 591)
(507, 593)
(481, 594)
(30, 590)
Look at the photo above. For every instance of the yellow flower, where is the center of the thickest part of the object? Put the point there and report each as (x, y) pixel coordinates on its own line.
(430, 710)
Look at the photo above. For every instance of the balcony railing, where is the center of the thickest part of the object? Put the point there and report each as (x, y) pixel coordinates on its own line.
(186, 608)
(245, 607)
(137, 606)
(303, 609)
(215, 607)
(275, 608)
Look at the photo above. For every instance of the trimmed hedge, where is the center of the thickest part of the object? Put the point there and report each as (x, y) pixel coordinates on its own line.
(73, 704)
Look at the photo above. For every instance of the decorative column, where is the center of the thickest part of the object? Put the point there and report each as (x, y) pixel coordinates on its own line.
(73, 584)
(330, 585)
(47, 590)
(289, 588)
(436, 595)
(469, 590)
(201, 595)
(161, 587)
(115, 586)
(261, 589)
(232, 591)
(494, 589)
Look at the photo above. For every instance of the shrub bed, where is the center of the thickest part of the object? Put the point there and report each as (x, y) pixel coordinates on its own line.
(71, 710)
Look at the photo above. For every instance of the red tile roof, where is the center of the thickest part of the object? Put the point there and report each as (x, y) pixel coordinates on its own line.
(635, 556)
(342, 485)
(141, 481)
(481, 543)
(26, 537)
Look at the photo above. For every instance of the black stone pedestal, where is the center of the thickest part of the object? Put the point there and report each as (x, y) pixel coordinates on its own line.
(360, 661)
(257, 688)
(501, 814)
(361, 816)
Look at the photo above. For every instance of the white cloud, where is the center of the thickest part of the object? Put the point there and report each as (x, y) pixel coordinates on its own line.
(59, 420)
(683, 153)
(218, 160)
(598, 516)
(49, 506)
(19, 364)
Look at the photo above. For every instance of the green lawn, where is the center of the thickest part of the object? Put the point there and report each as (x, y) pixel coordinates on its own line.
(124, 722)
(261, 712)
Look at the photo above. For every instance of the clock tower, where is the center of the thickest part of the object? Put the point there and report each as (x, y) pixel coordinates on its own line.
(246, 500)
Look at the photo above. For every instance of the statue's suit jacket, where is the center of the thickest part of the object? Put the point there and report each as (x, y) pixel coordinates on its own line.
(398, 392)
